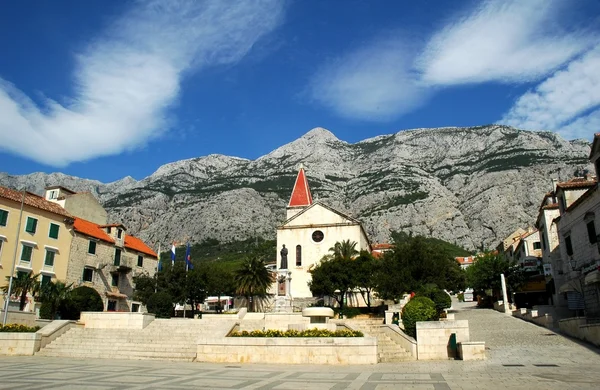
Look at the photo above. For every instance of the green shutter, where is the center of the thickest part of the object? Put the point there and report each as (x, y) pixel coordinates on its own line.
(140, 261)
(92, 247)
(49, 261)
(3, 217)
(31, 225)
(26, 253)
(117, 257)
(54, 230)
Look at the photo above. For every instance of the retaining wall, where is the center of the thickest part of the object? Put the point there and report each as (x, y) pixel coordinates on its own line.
(116, 320)
(433, 338)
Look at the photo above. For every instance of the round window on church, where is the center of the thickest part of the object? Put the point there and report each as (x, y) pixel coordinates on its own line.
(317, 236)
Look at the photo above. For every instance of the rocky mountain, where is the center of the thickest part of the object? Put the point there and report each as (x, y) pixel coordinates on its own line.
(470, 186)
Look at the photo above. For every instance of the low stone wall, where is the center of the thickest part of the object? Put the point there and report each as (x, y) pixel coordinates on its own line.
(116, 320)
(533, 315)
(433, 338)
(20, 317)
(590, 333)
(18, 344)
(54, 330)
(399, 337)
(471, 350)
(578, 327)
(273, 350)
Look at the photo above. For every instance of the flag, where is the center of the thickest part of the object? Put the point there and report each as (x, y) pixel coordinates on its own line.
(188, 258)
(173, 254)
(159, 268)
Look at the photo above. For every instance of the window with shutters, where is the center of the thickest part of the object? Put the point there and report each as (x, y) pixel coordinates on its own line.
(53, 233)
(3, 217)
(92, 247)
(568, 245)
(31, 225)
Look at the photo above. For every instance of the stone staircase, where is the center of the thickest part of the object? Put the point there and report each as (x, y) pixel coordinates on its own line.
(388, 350)
(173, 339)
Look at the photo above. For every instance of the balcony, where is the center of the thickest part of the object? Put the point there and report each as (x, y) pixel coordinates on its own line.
(123, 265)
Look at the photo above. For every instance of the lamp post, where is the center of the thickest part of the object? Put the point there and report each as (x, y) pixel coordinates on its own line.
(12, 273)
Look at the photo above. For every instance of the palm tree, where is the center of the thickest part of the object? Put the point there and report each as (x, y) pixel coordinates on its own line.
(53, 294)
(253, 279)
(345, 250)
(22, 284)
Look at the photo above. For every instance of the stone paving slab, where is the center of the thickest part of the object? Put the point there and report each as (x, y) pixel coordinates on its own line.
(521, 355)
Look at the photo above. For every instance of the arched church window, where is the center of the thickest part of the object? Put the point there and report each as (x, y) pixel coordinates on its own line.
(298, 256)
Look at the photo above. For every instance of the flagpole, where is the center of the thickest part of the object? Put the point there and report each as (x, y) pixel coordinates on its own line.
(7, 297)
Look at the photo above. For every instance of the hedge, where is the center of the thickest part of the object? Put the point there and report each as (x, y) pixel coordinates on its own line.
(17, 328)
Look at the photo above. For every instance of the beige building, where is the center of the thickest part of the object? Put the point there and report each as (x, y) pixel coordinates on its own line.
(310, 230)
(82, 204)
(42, 244)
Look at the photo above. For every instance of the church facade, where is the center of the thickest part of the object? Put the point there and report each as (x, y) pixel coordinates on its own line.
(310, 230)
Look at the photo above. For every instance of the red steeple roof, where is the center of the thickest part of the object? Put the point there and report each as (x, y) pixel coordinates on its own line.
(301, 196)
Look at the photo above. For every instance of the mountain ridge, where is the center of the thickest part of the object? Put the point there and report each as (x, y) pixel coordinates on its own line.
(466, 185)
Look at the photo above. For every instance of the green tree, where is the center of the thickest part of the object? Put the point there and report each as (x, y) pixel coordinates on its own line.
(484, 274)
(196, 288)
(145, 287)
(22, 284)
(414, 262)
(161, 304)
(52, 295)
(219, 280)
(80, 299)
(252, 280)
(366, 275)
(344, 250)
(334, 277)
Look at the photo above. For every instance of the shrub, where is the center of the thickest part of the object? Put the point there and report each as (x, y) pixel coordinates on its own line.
(461, 297)
(80, 299)
(315, 332)
(419, 308)
(46, 311)
(161, 304)
(17, 328)
(439, 297)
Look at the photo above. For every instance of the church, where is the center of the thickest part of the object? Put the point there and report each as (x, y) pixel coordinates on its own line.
(311, 228)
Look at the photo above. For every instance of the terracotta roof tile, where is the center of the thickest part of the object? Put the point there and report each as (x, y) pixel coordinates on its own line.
(550, 206)
(381, 246)
(92, 230)
(33, 200)
(576, 183)
(135, 243)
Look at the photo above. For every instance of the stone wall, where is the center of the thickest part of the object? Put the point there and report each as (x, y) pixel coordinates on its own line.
(19, 344)
(20, 317)
(433, 338)
(102, 264)
(272, 350)
(579, 328)
(115, 320)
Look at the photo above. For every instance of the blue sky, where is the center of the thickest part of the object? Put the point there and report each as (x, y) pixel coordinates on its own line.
(104, 89)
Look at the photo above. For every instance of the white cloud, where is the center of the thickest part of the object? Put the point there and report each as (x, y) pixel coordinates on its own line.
(501, 40)
(372, 83)
(128, 77)
(563, 102)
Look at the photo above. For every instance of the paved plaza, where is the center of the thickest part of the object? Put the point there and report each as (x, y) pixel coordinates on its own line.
(520, 356)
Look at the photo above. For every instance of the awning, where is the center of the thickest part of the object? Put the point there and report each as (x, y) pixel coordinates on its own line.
(592, 277)
(116, 295)
(567, 287)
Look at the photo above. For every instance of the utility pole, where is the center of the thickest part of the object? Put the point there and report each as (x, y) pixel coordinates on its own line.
(7, 298)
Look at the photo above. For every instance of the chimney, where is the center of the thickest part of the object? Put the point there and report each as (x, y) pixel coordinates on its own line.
(554, 183)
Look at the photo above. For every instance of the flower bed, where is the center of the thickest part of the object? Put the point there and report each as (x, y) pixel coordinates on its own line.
(295, 333)
(17, 328)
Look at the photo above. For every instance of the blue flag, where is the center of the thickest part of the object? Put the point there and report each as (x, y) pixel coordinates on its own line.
(173, 254)
(188, 257)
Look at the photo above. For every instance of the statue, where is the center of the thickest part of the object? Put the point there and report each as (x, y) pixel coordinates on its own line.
(283, 254)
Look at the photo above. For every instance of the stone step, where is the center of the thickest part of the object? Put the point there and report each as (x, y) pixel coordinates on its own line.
(125, 347)
(182, 357)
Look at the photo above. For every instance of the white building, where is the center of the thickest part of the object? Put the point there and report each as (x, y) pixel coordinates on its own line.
(310, 230)
(579, 204)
